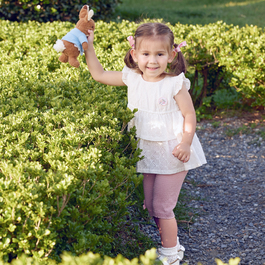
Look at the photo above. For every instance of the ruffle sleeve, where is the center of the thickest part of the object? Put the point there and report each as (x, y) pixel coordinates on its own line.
(125, 72)
(182, 81)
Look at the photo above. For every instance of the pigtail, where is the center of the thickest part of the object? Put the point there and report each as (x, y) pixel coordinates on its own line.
(129, 60)
(179, 64)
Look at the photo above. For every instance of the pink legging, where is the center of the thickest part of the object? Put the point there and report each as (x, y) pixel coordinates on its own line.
(161, 193)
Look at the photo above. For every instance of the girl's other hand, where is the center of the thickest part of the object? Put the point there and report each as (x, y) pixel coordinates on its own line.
(182, 152)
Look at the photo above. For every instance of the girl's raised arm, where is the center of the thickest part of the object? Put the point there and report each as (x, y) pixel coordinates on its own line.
(112, 78)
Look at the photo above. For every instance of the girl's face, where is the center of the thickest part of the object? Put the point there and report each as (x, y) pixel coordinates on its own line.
(153, 55)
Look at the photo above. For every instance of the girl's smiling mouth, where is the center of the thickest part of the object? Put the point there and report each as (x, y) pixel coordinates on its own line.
(152, 68)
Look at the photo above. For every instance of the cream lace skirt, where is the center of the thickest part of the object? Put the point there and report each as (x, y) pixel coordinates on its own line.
(158, 157)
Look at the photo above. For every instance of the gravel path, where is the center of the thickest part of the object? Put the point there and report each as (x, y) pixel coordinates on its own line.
(228, 196)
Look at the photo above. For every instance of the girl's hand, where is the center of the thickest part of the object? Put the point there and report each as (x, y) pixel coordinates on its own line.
(90, 37)
(182, 152)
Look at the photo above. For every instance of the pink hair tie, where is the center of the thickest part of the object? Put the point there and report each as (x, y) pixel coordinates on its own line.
(184, 43)
(131, 41)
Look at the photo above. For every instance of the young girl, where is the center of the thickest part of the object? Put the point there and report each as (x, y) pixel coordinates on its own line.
(165, 123)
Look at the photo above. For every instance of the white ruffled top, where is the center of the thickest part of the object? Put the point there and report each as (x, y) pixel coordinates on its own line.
(159, 123)
(158, 117)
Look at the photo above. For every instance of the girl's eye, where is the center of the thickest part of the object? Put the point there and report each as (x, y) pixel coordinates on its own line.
(145, 54)
(160, 54)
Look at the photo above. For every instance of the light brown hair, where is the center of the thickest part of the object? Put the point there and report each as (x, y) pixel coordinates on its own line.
(177, 66)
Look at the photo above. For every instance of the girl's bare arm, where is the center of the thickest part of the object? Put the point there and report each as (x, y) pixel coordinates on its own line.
(112, 78)
(184, 101)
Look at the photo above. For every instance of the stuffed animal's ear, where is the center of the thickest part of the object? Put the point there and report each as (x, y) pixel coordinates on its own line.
(83, 11)
(90, 14)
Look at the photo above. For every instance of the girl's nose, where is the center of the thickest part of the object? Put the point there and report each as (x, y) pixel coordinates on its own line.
(152, 59)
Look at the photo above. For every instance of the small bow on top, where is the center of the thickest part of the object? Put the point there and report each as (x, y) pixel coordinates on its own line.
(177, 49)
(131, 41)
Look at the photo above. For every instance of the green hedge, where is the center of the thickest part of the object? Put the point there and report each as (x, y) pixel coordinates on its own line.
(89, 259)
(149, 258)
(67, 162)
(226, 59)
(52, 10)
(66, 159)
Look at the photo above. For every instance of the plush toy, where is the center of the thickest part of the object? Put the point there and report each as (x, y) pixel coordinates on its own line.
(75, 41)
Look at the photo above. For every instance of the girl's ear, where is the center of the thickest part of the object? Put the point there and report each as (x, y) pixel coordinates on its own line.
(172, 56)
(133, 54)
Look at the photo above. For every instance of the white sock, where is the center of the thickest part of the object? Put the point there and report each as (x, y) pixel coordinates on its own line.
(173, 252)
(171, 255)
(169, 251)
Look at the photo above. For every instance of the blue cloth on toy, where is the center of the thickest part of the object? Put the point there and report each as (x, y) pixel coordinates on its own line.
(77, 37)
